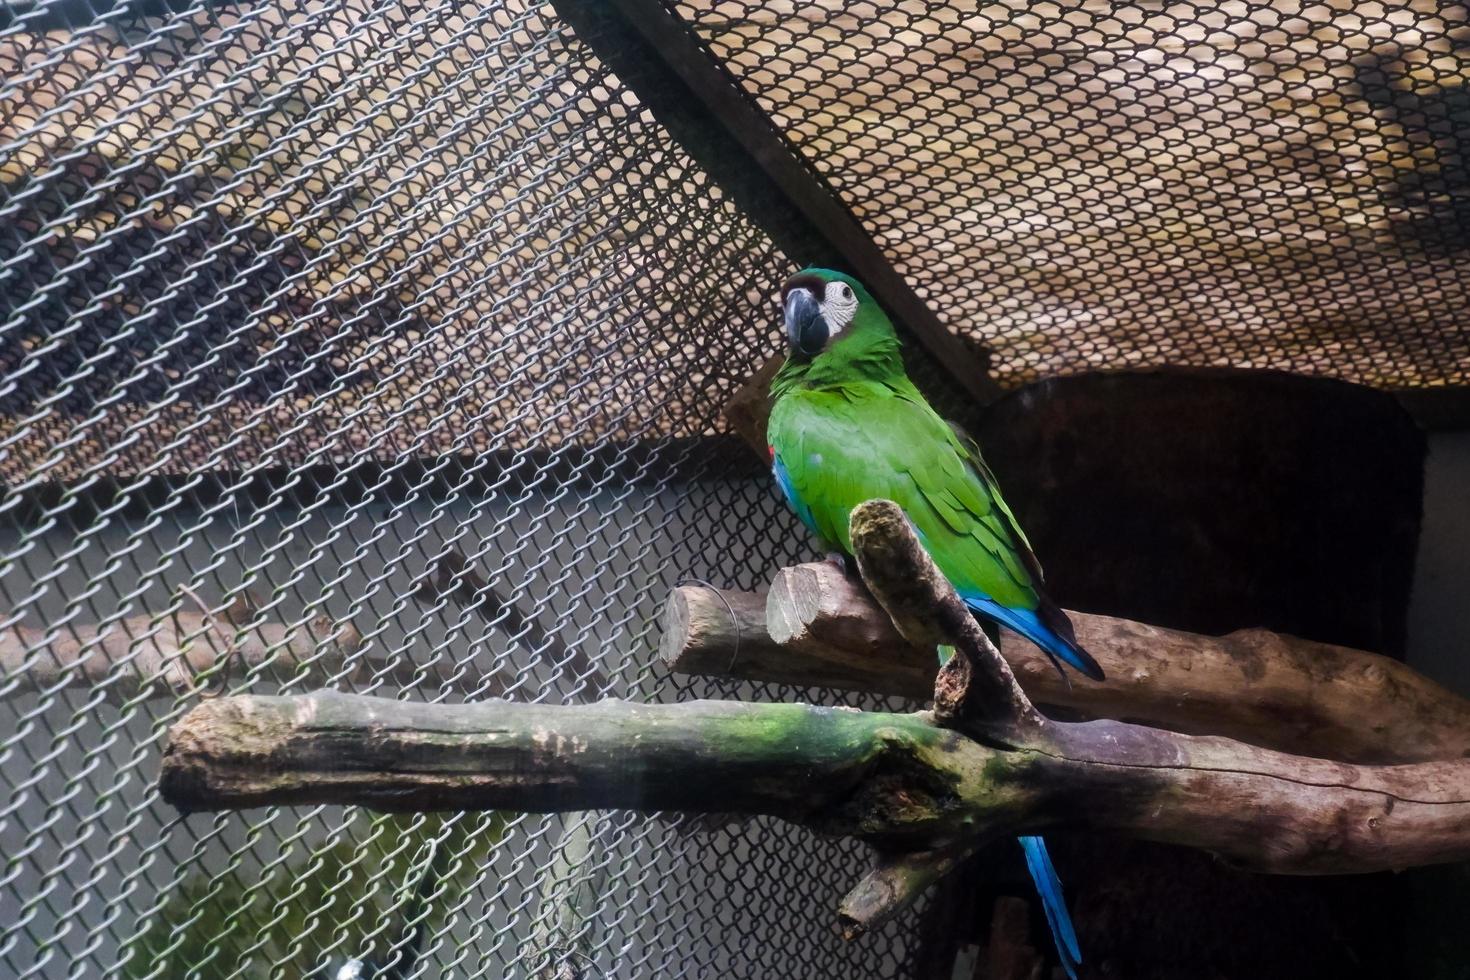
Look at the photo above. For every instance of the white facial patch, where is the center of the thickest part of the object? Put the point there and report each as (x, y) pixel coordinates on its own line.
(839, 306)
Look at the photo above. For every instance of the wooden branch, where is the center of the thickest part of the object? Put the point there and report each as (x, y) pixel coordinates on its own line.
(728, 626)
(854, 644)
(896, 780)
(557, 947)
(895, 881)
(702, 756)
(749, 408)
(923, 789)
(814, 628)
(1259, 687)
(976, 685)
(165, 654)
(725, 632)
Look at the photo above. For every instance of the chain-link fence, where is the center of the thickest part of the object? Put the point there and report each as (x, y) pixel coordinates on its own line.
(382, 345)
(373, 345)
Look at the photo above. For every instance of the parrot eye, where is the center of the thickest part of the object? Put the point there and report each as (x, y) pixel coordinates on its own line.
(840, 293)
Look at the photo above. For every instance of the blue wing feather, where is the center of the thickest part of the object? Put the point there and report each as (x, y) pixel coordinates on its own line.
(1029, 624)
(788, 490)
(1043, 873)
(1038, 861)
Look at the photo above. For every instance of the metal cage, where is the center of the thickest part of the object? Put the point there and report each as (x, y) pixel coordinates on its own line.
(382, 344)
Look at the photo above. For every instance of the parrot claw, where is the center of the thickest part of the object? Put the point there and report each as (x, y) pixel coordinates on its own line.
(840, 560)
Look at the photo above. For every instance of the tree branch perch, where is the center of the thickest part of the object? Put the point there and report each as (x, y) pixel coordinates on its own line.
(895, 881)
(896, 780)
(975, 686)
(924, 789)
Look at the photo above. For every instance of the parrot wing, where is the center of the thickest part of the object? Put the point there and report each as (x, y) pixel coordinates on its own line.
(981, 472)
(1050, 615)
(832, 451)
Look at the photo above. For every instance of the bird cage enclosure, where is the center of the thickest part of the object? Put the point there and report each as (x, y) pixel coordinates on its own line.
(383, 345)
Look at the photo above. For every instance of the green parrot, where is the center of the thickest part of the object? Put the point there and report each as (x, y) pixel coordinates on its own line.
(847, 426)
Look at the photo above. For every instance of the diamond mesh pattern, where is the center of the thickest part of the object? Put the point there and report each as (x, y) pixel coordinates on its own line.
(381, 345)
(378, 345)
(1082, 185)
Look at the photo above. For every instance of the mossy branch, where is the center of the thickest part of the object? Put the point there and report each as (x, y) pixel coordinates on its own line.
(898, 781)
(975, 687)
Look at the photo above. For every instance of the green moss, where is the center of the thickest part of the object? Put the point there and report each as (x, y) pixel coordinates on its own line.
(999, 768)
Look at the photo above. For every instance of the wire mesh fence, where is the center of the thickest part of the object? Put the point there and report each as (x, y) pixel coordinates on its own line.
(1080, 185)
(378, 346)
(381, 345)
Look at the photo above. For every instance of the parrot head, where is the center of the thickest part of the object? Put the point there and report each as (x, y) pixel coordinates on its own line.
(828, 311)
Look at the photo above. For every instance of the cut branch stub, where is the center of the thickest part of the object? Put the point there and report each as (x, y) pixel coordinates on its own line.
(727, 626)
(976, 686)
(766, 636)
(895, 881)
(823, 592)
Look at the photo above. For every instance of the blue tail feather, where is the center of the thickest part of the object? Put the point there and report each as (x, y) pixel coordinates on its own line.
(1030, 625)
(1038, 862)
(1048, 886)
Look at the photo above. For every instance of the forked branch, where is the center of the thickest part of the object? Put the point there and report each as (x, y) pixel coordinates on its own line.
(975, 687)
(921, 792)
(822, 629)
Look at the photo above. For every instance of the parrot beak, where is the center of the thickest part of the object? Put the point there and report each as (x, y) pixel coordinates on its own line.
(806, 328)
